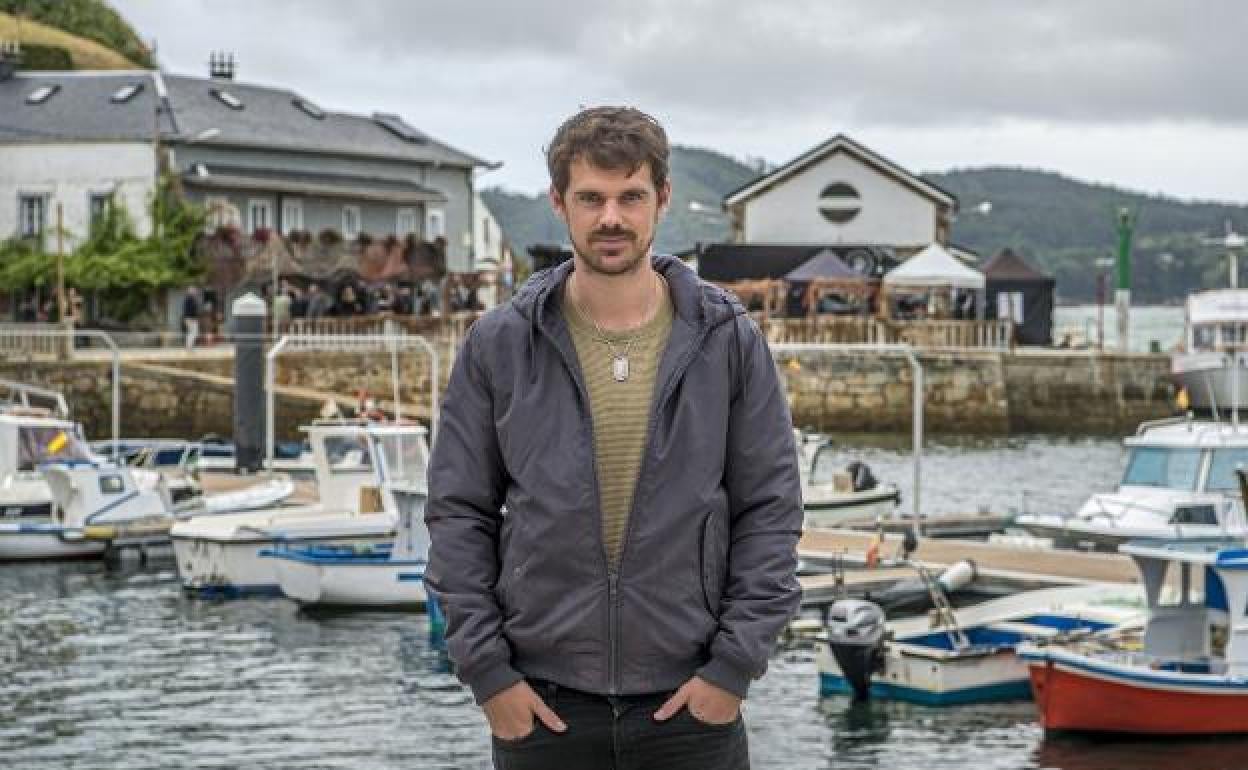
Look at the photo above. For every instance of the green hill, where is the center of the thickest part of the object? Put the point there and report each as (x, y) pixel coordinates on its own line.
(91, 20)
(1061, 225)
(1064, 225)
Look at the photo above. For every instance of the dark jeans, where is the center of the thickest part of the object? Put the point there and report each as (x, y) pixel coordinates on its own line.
(620, 733)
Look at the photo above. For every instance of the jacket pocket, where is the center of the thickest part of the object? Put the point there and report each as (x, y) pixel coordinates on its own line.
(713, 552)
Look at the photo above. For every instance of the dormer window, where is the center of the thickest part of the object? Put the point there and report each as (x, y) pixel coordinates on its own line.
(42, 94)
(310, 109)
(227, 98)
(125, 93)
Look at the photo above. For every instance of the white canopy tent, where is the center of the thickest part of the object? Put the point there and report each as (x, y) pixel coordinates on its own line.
(935, 269)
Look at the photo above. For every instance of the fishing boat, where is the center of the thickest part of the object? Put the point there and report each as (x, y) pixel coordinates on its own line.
(1179, 484)
(833, 495)
(371, 576)
(362, 469)
(119, 506)
(1190, 678)
(958, 656)
(35, 428)
(1210, 366)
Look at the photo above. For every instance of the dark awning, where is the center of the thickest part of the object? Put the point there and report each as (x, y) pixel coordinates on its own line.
(825, 265)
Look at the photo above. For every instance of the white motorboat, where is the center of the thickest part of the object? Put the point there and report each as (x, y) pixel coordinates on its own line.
(1211, 366)
(1179, 484)
(968, 655)
(31, 435)
(119, 505)
(833, 495)
(362, 471)
(370, 577)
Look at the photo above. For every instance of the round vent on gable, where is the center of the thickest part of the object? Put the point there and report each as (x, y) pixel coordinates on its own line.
(839, 203)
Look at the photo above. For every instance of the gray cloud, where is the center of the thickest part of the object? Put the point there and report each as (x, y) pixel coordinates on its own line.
(906, 61)
(749, 77)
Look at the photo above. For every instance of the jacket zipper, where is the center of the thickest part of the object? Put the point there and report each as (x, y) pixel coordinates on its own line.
(613, 578)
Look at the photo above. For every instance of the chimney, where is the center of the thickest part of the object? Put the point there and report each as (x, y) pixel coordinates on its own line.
(10, 57)
(221, 65)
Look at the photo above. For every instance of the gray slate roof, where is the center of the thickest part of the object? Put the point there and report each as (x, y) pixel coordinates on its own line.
(80, 110)
(214, 176)
(269, 118)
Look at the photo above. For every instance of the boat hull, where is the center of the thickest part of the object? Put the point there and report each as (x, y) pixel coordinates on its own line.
(1210, 380)
(33, 541)
(910, 675)
(834, 510)
(216, 568)
(1075, 694)
(344, 583)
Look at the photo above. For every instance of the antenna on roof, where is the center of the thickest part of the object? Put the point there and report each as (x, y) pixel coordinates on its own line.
(221, 65)
(10, 57)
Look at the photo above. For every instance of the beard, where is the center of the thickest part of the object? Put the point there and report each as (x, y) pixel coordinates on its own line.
(626, 259)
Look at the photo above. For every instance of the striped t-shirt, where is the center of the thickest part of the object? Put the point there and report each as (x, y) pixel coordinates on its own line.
(621, 410)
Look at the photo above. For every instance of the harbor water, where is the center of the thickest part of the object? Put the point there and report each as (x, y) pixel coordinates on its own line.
(107, 667)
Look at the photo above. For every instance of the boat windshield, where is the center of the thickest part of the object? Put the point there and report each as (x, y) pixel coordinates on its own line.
(348, 454)
(405, 457)
(47, 444)
(1162, 467)
(1222, 470)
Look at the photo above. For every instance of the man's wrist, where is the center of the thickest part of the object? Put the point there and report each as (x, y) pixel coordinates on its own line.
(726, 676)
(491, 681)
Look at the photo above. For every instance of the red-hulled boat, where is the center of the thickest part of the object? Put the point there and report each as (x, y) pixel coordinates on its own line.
(1191, 678)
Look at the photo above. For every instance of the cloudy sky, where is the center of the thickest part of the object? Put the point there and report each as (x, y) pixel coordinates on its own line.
(1146, 94)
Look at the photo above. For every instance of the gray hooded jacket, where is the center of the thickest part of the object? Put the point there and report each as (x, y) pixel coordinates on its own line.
(707, 576)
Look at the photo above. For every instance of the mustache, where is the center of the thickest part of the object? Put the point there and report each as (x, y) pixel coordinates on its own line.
(613, 232)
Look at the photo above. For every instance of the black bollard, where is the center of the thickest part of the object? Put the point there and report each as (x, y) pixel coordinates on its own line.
(248, 315)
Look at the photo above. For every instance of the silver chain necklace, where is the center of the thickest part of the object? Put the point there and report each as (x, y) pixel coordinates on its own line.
(619, 361)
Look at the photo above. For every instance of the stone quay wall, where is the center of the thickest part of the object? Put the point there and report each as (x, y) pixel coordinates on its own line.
(978, 392)
(965, 392)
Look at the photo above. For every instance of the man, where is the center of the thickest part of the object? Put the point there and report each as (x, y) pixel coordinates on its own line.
(628, 419)
(319, 303)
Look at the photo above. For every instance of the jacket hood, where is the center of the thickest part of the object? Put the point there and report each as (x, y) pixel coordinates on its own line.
(698, 303)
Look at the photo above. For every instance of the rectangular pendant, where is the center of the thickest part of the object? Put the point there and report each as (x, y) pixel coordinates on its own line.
(619, 367)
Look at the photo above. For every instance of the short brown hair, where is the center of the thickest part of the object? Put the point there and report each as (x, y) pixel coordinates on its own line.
(612, 138)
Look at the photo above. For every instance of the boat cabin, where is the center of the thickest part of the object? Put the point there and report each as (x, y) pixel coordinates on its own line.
(1186, 455)
(1216, 321)
(358, 462)
(1197, 595)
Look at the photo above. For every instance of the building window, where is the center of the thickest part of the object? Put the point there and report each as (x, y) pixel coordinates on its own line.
(259, 215)
(292, 215)
(99, 205)
(435, 224)
(350, 222)
(32, 216)
(406, 223)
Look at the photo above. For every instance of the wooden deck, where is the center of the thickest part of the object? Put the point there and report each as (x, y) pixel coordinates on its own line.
(992, 560)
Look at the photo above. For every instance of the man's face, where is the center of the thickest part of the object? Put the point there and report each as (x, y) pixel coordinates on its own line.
(611, 215)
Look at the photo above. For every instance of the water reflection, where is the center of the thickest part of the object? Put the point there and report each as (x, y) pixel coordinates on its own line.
(1100, 753)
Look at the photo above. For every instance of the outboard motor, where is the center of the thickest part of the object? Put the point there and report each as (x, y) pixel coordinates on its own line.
(862, 476)
(856, 636)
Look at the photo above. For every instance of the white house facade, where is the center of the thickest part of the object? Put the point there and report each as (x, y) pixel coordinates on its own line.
(842, 193)
(82, 178)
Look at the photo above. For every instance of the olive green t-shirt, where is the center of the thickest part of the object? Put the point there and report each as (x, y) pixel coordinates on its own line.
(620, 410)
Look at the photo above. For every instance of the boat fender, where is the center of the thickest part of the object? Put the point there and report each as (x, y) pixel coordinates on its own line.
(958, 576)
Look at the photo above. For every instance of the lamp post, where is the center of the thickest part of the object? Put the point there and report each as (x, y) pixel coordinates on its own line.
(1102, 264)
(1122, 290)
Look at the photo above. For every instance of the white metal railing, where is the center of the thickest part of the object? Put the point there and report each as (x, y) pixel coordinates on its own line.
(349, 343)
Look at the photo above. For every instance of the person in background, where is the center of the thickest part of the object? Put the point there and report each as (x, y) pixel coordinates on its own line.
(349, 303)
(190, 315)
(403, 302)
(281, 309)
(319, 303)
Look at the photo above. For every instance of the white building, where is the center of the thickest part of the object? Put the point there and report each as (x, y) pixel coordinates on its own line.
(842, 193)
(839, 196)
(77, 143)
